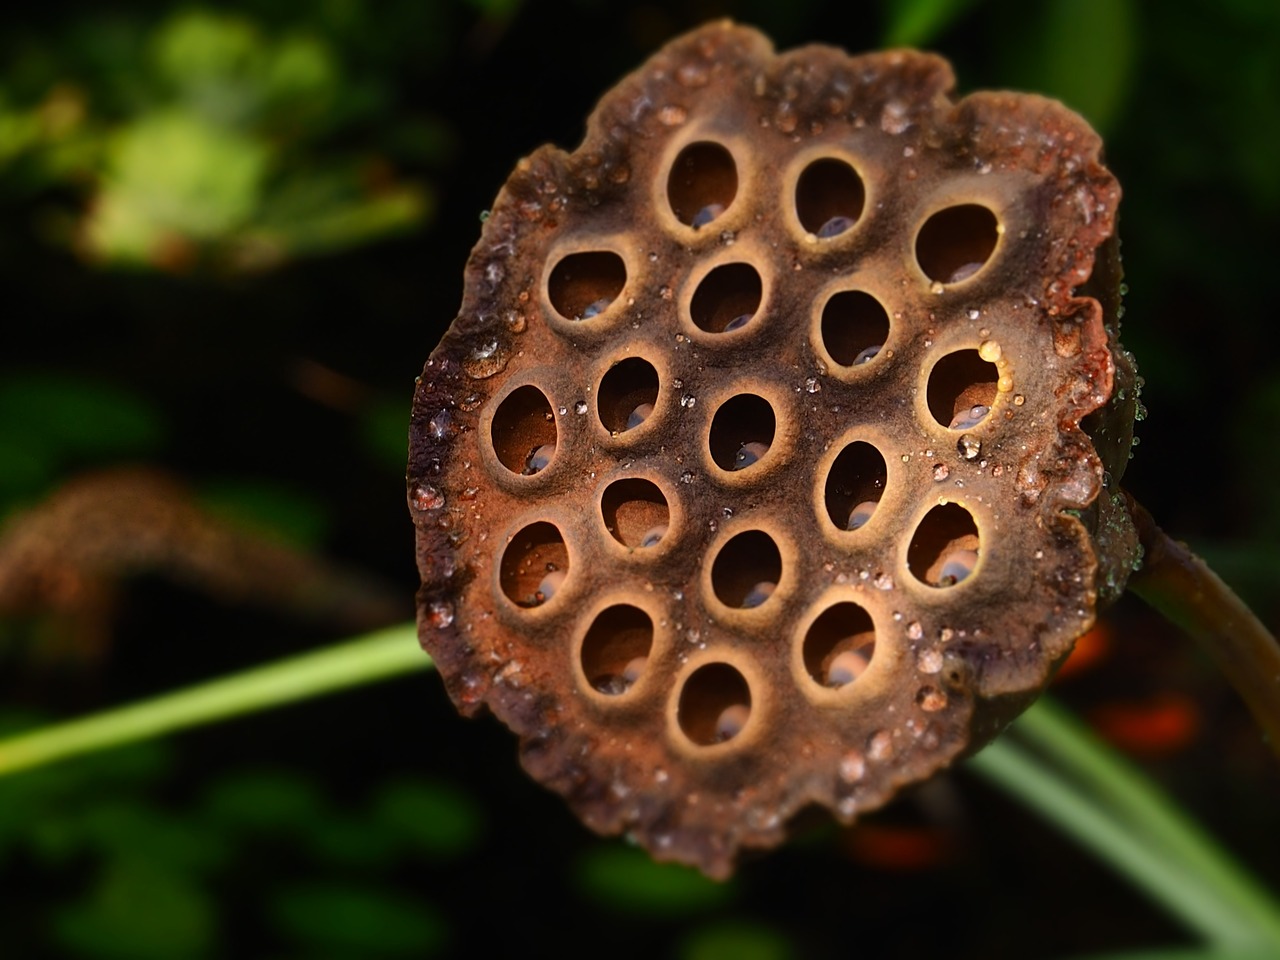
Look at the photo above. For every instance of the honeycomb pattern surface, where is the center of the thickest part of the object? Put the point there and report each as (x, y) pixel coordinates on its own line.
(771, 460)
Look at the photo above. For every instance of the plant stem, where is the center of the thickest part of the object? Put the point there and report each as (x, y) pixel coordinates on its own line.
(1109, 807)
(1182, 588)
(374, 656)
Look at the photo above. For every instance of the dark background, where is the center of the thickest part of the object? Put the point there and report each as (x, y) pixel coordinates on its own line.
(248, 312)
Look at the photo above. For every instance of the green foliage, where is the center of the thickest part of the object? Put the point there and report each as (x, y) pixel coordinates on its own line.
(625, 879)
(179, 918)
(294, 516)
(736, 940)
(208, 140)
(51, 421)
(344, 920)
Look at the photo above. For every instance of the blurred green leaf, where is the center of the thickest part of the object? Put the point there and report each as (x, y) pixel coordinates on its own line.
(1081, 52)
(56, 418)
(627, 880)
(173, 177)
(350, 842)
(736, 940)
(129, 828)
(138, 910)
(918, 23)
(386, 433)
(437, 819)
(365, 920)
(291, 515)
(266, 801)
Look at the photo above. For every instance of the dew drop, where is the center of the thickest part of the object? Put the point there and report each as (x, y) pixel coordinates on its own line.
(427, 497)
(969, 447)
(439, 614)
(738, 322)
(580, 407)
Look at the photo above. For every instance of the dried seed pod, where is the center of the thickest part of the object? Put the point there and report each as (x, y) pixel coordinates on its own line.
(810, 556)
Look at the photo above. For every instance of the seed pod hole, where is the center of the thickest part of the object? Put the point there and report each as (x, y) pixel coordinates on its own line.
(627, 395)
(702, 183)
(962, 389)
(839, 645)
(635, 512)
(616, 648)
(742, 432)
(855, 326)
(829, 198)
(955, 243)
(945, 548)
(854, 485)
(747, 570)
(523, 431)
(584, 285)
(534, 565)
(727, 298)
(715, 704)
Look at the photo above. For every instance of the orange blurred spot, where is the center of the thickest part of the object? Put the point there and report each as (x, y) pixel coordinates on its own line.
(1090, 650)
(1161, 725)
(890, 847)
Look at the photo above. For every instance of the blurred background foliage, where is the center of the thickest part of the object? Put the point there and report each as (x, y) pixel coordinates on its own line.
(231, 235)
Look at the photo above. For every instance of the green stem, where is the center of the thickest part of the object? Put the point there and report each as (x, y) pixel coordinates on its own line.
(1135, 799)
(1126, 822)
(374, 656)
(1183, 589)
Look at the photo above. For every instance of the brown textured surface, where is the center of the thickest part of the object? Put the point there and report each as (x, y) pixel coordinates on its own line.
(951, 664)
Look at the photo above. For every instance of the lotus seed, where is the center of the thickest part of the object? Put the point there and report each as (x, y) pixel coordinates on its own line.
(846, 667)
(539, 458)
(653, 535)
(968, 419)
(731, 721)
(758, 594)
(964, 272)
(860, 514)
(639, 415)
(706, 215)
(595, 308)
(956, 566)
(749, 453)
(834, 227)
(866, 354)
(548, 585)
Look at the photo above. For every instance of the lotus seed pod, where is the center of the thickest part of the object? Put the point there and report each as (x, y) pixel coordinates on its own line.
(714, 571)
